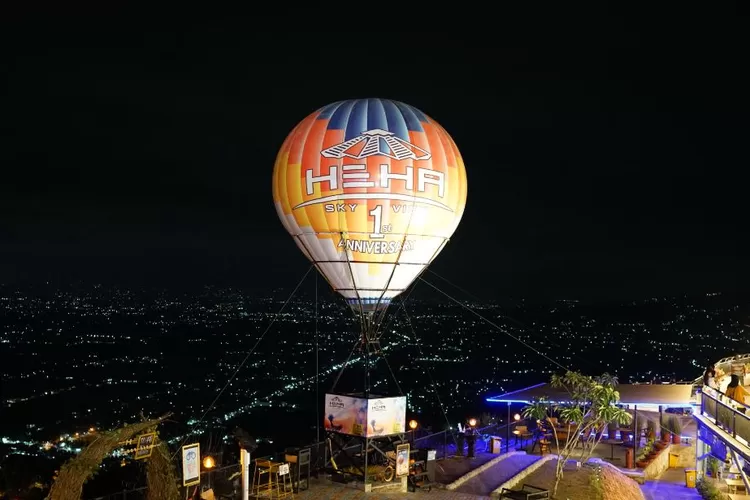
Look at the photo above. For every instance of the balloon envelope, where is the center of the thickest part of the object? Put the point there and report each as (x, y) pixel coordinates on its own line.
(371, 190)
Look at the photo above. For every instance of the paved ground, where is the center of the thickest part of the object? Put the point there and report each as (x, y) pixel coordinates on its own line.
(325, 490)
(669, 486)
(485, 483)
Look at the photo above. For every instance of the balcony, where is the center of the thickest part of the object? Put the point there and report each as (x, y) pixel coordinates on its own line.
(725, 418)
(724, 434)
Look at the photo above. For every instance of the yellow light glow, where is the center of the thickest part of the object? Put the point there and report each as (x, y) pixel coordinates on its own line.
(413, 424)
(472, 422)
(208, 462)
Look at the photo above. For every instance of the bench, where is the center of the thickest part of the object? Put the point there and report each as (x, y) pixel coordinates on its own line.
(527, 492)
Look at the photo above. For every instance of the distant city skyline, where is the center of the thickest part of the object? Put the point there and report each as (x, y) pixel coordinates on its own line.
(100, 336)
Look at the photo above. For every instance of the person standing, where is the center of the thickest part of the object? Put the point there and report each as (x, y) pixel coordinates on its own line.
(737, 392)
(709, 378)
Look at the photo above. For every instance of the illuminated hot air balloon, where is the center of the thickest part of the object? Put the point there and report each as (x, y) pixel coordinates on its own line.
(371, 190)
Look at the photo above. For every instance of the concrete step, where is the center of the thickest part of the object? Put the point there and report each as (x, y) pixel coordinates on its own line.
(485, 482)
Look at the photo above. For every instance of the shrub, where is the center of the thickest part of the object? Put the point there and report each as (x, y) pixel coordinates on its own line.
(709, 491)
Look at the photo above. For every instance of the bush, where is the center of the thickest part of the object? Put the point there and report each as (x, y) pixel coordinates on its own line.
(675, 425)
(709, 491)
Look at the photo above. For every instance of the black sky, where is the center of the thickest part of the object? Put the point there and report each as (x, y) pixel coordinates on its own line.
(601, 161)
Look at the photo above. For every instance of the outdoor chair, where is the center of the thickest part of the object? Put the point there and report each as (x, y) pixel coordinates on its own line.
(544, 445)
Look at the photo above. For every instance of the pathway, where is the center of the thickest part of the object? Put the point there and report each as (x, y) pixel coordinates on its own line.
(450, 469)
(669, 486)
(325, 490)
(486, 482)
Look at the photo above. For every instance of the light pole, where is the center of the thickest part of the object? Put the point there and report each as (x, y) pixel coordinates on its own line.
(471, 438)
(208, 464)
(413, 424)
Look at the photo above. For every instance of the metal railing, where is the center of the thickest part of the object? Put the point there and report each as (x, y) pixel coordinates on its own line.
(728, 414)
(223, 480)
(445, 442)
(725, 364)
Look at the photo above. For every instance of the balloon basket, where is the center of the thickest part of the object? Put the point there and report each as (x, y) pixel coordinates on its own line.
(366, 464)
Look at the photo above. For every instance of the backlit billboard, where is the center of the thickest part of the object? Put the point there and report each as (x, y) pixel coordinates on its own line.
(358, 416)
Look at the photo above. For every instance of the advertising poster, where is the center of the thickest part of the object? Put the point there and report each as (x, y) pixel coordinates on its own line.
(345, 414)
(365, 417)
(402, 460)
(386, 416)
(191, 464)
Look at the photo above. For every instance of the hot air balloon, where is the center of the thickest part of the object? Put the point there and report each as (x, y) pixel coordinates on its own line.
(371, 190)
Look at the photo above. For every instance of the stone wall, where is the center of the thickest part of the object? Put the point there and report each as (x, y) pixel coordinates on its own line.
(686, 460)
(658, 465)
(686, 453)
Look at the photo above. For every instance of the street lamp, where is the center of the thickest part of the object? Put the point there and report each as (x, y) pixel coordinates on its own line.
(471, 437)
(208, 464)
(413, 424)
(516, 419)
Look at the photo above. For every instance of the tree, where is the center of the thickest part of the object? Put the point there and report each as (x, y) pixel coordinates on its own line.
(591, 403)
(68, 484)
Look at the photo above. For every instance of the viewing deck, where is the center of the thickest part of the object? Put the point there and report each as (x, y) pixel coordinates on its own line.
(718, 427)
(723, 431)
(723, 419)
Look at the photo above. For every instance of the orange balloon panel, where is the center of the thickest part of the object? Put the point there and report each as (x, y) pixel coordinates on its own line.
(371, 190)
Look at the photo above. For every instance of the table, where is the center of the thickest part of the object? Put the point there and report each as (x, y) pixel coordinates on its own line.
(523, 436)
(612, 443)
(733, 484)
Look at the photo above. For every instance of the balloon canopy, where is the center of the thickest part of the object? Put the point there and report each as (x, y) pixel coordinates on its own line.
(371, 190)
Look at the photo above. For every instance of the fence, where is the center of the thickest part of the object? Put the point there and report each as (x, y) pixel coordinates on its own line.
(445, 443)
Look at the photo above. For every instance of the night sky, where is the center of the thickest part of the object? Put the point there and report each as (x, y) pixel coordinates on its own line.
(601, 162)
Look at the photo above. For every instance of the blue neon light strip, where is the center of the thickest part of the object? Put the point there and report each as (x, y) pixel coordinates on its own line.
(503, 398)
(527, 401)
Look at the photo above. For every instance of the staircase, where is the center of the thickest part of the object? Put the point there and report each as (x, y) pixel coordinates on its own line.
(488, 480)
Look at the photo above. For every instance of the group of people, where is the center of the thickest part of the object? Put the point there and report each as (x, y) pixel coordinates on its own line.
(735, 390)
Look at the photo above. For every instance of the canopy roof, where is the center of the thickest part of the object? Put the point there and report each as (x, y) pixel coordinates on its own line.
(631, 394)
